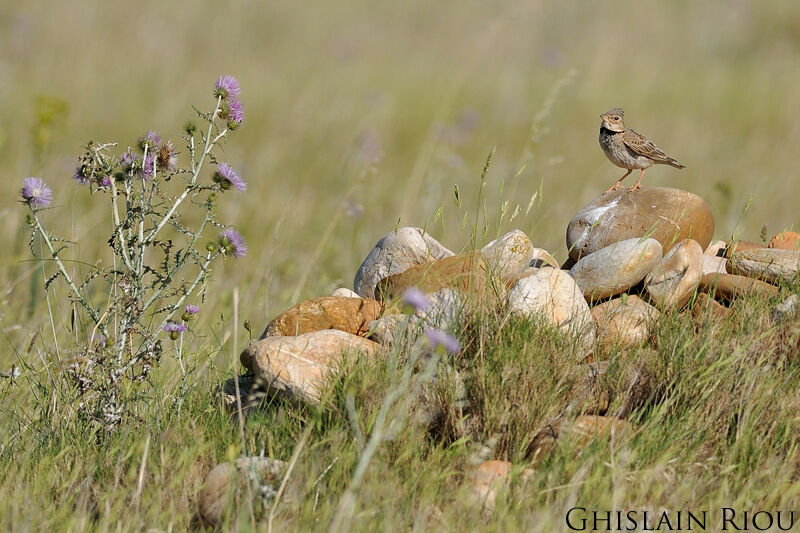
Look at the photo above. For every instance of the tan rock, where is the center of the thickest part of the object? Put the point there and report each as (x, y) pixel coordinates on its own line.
(664, 214)
(509, 255)
(713, 264)
(738, 246)
(585, 428)
(728, 286)
(616, 268)
(706, 308)
(351, 315)
(716, 248)
(298, 367)
(467, 272)
(624, 321)
(345, 293)
(226, 484)
(396, 252)
(769, 264)
(487, 479)
(673, 281)
(786, 240)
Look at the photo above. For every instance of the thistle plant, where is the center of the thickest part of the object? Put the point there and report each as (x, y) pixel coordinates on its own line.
(164, 238)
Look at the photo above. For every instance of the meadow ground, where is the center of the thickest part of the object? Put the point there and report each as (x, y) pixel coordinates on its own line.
(360, 116)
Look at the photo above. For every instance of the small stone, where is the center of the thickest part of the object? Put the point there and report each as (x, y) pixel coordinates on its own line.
(487, 479)
(713, 264)
(673, 281)
(716, 249)
(728, 286)
(385, 329)
(509, 255)
(351, 315)
(466, 272)
(787, 309)
(786, 240)
(666, 215)
(298, 367)
(616, 268)
(396, 252)
(769, 264)
(226, 485)
(554, 296)
(624, 321)
(345, 293)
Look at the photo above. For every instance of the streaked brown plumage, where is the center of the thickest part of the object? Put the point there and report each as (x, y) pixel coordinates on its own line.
(629, 149)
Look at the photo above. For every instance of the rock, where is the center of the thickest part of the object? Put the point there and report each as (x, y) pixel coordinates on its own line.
(728, 286)
(615, 268)
(486, 479)
(554, 296)
(624, 321)
(345, 293)
(716, 249)
(297, 367)
(542, 258)
(586, 392)
(351, 315)
(713, 264)
(585, 428)
(396, 252)
(673, 281)
(769, 264)
(385, 329)
(787, 309)
(705, 307)
(509, 255)
(226, 485)
(738, 246)
(445, 310)
(786, 240)
(466, 272)
(664, 214)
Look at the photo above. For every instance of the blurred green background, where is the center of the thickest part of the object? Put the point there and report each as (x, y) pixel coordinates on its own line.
(362, 114)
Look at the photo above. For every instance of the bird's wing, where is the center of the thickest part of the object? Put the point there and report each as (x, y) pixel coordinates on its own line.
(643, 146)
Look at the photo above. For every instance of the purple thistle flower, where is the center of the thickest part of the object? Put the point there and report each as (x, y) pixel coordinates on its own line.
(227, 178)
(36, 193)
(232, 243)
(227, 86)
(98, 339)
(415, 298)
(174, 327)
(151, 140)
(167, 158)
(192, 309)
(235, 113)
(129, 161)
(105, 182)
(80, 175)
(147, 168)
(437, 338)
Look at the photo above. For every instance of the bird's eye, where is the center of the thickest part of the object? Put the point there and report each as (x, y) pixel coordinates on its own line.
(616, 118)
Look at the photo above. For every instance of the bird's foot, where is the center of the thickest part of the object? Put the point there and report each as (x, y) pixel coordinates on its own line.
(613, 188)
(635, 188)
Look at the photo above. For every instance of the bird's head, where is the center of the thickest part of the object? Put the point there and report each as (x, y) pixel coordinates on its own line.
(613, 120)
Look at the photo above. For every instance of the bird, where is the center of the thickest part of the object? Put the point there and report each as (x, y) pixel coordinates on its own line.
(629, 149)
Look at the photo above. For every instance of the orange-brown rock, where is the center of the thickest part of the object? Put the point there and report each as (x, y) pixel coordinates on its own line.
(786, 240)
(737, 246)
(467, 272)
(486, 479)
(624, 321)
(706, 307)
(769, 264)
(667, 215)
(352, 315)
(728, 286)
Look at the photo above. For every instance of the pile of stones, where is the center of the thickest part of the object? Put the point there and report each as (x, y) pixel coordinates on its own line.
(632, 256)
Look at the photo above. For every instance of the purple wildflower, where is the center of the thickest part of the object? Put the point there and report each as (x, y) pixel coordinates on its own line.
(167, 158)
(437, 338)
(232, 243)
(227, 86)
(174, 327)
(151, 141)
(147, 168)
(105, 181)
(80, 175)
(192, 309)
(235, 113)
(415, 298)
(129, 161)
(36, 193)
(98, 339)
(227, 178)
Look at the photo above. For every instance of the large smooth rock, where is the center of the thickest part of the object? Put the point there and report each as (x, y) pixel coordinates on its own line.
(553, 295)
(739, 246)
(716, 249)
(673, 281)
(396, 252)
(786, 240)
(713, 264)
(664, 214)
(707, 309)
(728, 286)
(616, 268)
(769, 264)
(467, 272)
(297, 367)
(509, 255)
(624, 321)
(226, 484)
(351, 315)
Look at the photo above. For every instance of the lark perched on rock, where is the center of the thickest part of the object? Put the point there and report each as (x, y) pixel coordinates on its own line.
(629, 149)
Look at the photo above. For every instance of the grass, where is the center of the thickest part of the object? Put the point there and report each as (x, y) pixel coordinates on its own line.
(388, 107)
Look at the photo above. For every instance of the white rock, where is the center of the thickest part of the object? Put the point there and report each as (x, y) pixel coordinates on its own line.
(396, 252)
(343, 292)
(713, 264)
(509, 254)
(616, 268)
(672, 282)
(715, 248)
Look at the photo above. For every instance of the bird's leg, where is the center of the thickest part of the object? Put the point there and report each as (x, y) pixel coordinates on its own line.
(616, 185)
(639, 182)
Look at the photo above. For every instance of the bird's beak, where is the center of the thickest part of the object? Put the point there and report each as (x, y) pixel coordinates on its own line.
(603, 116)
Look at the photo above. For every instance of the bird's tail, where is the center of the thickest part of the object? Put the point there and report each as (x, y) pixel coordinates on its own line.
(673, 163)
